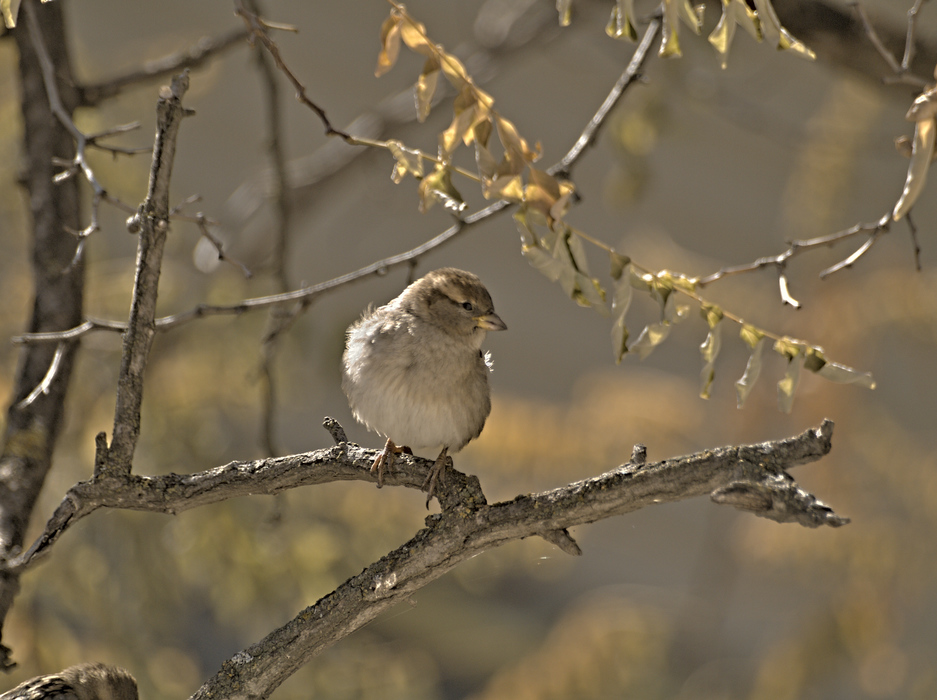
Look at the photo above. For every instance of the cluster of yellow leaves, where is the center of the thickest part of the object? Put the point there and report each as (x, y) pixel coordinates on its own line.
(474, 121)
(661, 287)
(548, 242)
(760, 22)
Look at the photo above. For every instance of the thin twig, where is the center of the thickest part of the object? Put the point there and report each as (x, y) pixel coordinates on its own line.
(876, 40)
(795, 247)
(92, 324)
(257, 29)
(280, 318)
(203, 223)
(258, 26)
(281, 186)
(46, 383)
(119, 129)
(631, 74)
(849, 261)
(385, 264)
(914, 242)
(902, 71)
(909, 41)
(82, 141)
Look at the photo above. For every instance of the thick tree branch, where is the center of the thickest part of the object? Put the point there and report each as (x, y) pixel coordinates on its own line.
(761, 467)
(31, 427)
(460, 533)
(750, 477)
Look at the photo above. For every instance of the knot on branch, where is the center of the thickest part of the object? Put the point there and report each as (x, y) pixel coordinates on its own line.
(459, 492)
(639, 455)
(562, 539)
(336, 430)
(778, 498)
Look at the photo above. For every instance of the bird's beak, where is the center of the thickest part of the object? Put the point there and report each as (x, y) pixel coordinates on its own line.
(491, 322)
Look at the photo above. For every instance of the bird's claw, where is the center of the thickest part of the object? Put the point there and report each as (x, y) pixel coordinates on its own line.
(385, 460)
(429, 484)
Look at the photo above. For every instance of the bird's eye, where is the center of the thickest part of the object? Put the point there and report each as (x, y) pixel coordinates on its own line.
(468, 306)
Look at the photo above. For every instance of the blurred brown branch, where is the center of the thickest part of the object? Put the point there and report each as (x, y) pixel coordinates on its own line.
(839, 37)
(280, 318)
(205, 48)
(901, 70)
(31, 429)
(79, 163)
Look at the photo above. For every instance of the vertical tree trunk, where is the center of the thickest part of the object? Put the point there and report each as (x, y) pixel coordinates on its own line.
(30, 431)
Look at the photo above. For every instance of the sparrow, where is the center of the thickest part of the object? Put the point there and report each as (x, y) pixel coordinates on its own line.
(81, 682)
(414, 371)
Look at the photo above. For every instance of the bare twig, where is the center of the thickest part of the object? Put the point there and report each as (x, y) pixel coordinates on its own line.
(875, 229)
(914, 242)
(204, 226)
(380, 266)
(257, 29)
(94, 139)
(203, 223)
(280, 318)
(873, 36)
(909, 41)
(306, 293)
(152, 223)
(46, 383)
(631, 74)
(277, 156)
(860, 251)
(82, 141)
(192, 57)
(92, 324)
(900, 70)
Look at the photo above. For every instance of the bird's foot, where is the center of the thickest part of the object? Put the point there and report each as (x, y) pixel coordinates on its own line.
(385, 460)
(429, 485)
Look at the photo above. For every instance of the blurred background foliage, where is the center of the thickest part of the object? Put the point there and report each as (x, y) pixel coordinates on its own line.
(698, 168)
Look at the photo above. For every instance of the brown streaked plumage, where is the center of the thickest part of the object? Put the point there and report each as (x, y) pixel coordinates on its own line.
(90, 681)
